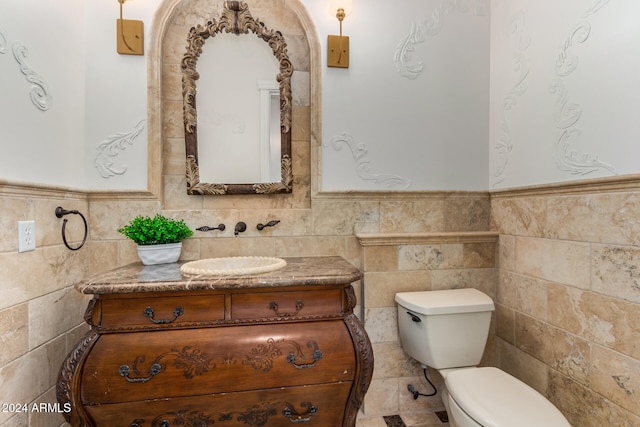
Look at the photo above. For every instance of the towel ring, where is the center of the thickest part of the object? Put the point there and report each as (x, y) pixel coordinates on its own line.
(60, 212)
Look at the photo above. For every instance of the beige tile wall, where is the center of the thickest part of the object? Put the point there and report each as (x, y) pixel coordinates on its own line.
(405, 262)
(566, 292)
(568, 296)
(40, 312)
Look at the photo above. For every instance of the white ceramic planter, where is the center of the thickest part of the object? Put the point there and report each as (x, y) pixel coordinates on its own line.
(159, 254)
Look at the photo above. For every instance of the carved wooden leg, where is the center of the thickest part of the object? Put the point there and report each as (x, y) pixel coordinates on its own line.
(69, 379)
(364, 368)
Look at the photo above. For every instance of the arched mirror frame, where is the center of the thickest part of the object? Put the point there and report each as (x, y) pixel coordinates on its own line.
(235, 18)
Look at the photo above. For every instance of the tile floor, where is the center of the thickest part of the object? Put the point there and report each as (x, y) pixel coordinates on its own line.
(411, 419)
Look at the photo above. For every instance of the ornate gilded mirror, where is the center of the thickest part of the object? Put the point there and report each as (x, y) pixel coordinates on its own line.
(235, 131)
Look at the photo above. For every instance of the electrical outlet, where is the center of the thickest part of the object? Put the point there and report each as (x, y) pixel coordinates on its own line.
(26, 236)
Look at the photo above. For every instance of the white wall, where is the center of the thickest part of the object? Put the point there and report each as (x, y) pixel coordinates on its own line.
(425, 130)
(94, 95)
(445, 129)
(115, 137)
(41, 140)
(564, 90)
(424, 133)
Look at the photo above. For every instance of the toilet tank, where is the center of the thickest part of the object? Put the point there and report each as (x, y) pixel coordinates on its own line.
(444, 329)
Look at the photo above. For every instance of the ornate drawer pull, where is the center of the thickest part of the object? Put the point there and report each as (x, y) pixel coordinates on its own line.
(294, 417)
(317, 355)
(177, 312)
(154, 370)
(273, 305)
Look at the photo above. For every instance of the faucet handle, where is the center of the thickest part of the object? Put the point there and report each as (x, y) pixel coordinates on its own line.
(220, 227)
(269, 224)
(241, 227)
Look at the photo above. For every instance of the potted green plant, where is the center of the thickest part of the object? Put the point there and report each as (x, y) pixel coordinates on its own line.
(159, 239)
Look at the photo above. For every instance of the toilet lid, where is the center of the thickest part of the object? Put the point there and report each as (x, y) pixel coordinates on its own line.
(494, 398)
(449, 301)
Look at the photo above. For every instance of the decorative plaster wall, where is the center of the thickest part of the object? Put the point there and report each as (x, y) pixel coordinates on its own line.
(564, 89)
(429, 27)
(42, 92)
(517, 88)
(115, 98)
(415, 94)
(433, 130)
(567, 113)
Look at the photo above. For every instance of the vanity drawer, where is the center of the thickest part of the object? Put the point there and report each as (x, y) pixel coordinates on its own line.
(156, 313)
(289, 304)
(320, 405)
(178, 363)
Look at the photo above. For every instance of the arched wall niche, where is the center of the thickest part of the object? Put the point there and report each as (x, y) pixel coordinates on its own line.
(167, 44)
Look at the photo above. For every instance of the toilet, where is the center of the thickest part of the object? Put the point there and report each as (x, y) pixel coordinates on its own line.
(447, 330)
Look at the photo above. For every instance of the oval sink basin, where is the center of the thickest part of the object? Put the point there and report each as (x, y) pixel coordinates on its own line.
(233, 266)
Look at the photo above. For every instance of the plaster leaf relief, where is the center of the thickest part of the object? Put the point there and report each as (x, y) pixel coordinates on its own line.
(503, 148)
(404, 53)
(596, 7)
(39, 89)
(359, 151)
(111, 147)
(521, 69)
(429, 27)
(566, 112)
(566, 64)
(3, 41)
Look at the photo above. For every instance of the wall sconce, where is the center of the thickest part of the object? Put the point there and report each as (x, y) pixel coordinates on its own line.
(338, 46)
(129, 35)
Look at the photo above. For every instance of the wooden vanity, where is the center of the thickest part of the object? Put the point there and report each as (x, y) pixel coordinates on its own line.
(167, 349)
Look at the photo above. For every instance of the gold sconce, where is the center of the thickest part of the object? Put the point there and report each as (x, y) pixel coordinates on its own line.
(338, 46)
(129, 35)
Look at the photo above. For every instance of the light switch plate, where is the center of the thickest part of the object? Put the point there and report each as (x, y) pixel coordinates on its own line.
(26, 236)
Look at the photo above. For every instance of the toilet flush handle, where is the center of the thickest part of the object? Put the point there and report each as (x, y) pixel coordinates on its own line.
(414, 317)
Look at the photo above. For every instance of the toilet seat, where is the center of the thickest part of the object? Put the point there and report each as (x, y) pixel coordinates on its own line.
(494, 398)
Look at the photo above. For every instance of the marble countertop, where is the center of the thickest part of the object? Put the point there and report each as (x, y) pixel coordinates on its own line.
(135, 278)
